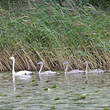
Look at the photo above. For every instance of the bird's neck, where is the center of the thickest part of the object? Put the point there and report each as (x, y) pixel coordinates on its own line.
(86, 68)
(41, 68)
(66, 68)
(86, 72)
(13, 69)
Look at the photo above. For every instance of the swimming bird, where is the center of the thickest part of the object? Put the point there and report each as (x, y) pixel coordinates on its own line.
(72, 71)
(96, 71)
(20, 73)
(45, 72)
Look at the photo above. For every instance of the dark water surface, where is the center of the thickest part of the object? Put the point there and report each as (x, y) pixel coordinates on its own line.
(59, 93)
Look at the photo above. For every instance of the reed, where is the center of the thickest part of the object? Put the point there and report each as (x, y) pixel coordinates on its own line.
(54, 34)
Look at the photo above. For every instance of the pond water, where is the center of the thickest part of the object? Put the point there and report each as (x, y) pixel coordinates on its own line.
(58, 92)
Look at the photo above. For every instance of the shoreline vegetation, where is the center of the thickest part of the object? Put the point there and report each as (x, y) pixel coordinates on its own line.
(51, 33)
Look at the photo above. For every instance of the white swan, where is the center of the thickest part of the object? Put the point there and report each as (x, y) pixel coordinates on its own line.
(96, 71)
(45, 72)
(20, 73)
(73, 71)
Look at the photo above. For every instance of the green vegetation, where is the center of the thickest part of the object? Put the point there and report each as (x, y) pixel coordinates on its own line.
(80, 96)
(54, 34)
(57, 98)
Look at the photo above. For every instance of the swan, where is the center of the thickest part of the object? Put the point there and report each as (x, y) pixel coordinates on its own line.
(96, 71)
(45, 72)
(20, 73)
(73, 71)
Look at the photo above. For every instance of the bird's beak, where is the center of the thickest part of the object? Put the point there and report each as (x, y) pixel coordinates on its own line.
(64, 63)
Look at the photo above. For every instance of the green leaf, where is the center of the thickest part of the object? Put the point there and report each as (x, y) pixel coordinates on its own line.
(54, 86)
(57, 98)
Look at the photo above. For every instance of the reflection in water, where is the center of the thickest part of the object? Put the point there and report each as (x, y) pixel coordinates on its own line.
(23, 77)
(14, 83)
(70, 93)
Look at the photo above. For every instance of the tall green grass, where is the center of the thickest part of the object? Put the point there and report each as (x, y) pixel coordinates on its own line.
(54, 34)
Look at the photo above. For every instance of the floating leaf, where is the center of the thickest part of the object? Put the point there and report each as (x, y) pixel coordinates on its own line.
(97, 91)
(35, 84)
(47, 81)
(52, 107)
(80, 96)
(45, 89)
(57, 98)
(54, 86)
(83, 88)
(18, 95)
(33, 80)
(83, 96)
(106, 108)
(1, 94)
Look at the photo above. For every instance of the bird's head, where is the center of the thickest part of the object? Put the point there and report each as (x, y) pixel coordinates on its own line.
(86, 62)
(66, 62)
(12, 58)
(40, 63)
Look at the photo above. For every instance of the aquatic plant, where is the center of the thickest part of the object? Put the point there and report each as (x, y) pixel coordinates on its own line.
(54, 34)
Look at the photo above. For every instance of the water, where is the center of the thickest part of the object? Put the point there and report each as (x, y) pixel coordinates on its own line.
(57, 93)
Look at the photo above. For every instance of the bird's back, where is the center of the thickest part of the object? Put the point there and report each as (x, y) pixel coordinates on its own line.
(75, 71)
(25, 72)
(96, 71)
(49, 73)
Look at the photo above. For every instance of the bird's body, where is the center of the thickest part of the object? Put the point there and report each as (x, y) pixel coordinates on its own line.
(76, 71)
(94, 71)
(20, 73)
(45, 72)
(24, 73)
(48, 72)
